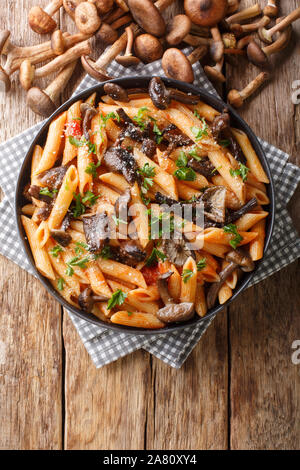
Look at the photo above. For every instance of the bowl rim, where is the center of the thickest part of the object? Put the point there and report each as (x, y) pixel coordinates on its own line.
(142, 81)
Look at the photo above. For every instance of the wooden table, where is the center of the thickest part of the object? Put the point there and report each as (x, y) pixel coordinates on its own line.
(238, 389)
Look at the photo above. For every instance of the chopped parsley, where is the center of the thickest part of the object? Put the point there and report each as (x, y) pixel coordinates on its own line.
(118, 298)
(215, 170)
(182, 160)
(201, 264)
(80, 262)
(186, 275)
(147, 173)
(60, 283)
(158, 133)
(78, 209)
(118, 221)
(140, 118)
(184, 172)
(241, 171)
(91, 169)
(200, 132)
(89, 198)
(236, 240)
(193, 153)
(161, 225)
(69, 271)
(46, 192)
(80, 248)
(197, 114)
(110, 116)
(55, 250)
(155, 256)
(106, 252)
(81, 143)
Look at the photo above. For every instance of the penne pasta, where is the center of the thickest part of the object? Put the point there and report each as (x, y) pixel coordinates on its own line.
(73, 129)
(256, 248)
(189, 281)
(53, 144)
(137, 320)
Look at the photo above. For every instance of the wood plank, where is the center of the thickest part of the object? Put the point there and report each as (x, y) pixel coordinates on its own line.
(30, 322)
(265, 320)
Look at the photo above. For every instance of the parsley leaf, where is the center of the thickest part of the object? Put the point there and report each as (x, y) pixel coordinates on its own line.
(224, 143)
(55, 250)
(140, 118)
(80, 248)
(60, 283)
(110, 116)
(147, 172)
(69, 271)
(155, 256)
(81, 143)
(106, 252)
(89, 198)
(185, 174)
(117, 298)
(201, 264)
(241, 171)
(76, 261)
(46, 192)
(79, 208)
(91, 169)
(231, 228)
(186, 275)
(200, 132)
(118, 221)
(158, 133)
(182, 160)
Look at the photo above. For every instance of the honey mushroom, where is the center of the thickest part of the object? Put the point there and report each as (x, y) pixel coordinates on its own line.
(271, 9)
(236, 98)
(70, 7)
(245, 14)
(205, 12)
(239, 29)
(86, 18)
(103, 6)
(179, 66)
(127, 59)
(233, 6)
(40, 20)
(266, 35)
(177, 29)
(147, 16)
(42, 102)
(148, 48)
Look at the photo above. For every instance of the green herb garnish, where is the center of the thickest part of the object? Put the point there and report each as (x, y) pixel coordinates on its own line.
(118, 298)
(231, 228)
(79, 208)
(46, 192)
(55, 250)
(106, 252)
(155, 256)
(241, 171)
(185, 174)
(200, 132)
(91, 169)
(201, 264)
(224, 143)
(89, 198)
(186, 275)
(81, 143)
(60, 283)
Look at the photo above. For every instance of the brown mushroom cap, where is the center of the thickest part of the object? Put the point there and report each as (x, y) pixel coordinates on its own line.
(70, 6)
(147, 16)
(103, 6)
(26, 74)
(127, 60)
(162, 285)
(40, 22)
(106, 34)
(86, 18)
(216, 286)
(214, 74)
(40, 102)
(177, 29)
(57, 42)
(176, 313)
(89, 66)
(205, 12)
(242, 258)
(235, 99)
(116, 92)
(176, 65)
(148, 48)
(256, 55)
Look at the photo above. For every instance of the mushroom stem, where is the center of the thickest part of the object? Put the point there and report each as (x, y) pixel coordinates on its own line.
(42, 102)
(40, 20)
(245, 14)
(271, 9)
(121, 21)
(128, 59)
(244, 41)
(215, 73)
(197, 54)
(53, 6)
(197, 40)
(267, 34)
(217, 46)
(259, 56)
(236, 98)
(251, 27)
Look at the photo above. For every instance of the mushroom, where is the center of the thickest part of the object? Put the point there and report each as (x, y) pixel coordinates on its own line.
(179, 66)
(147, 16)
(116, 92)
(240, 29)
(235, 215)
(233, 6)
(68, 57)
(149, 147)
(128, 59)
(220, 122)
(217, 46)
(5, 83)
(177, 29)
(203, 166)
(243, 42)
(57, 42)
(215, 73)
(214, 200)
(161, 96)
(106, 35)
(205, 12)
(40, 20)
(271, 9)
(129, 253)
(242, 258)
(266, 35)
(236, 98)
(103, 6)
(121, 21)
(42, 102)
(148, 48)
(216, 286)
(175, 248)
(259, 55)
(59, 235)
(26, 75)
(86, 18)
(245, 14)
(87, 299)
(87, 112)
(121, 161)
(96, 230)
(176, 313)
(53, 177)
(229, 40)
(34, 192)
(162, 285)
(70, 7)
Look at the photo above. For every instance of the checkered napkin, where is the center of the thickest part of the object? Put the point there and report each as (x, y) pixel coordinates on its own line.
(104, 345)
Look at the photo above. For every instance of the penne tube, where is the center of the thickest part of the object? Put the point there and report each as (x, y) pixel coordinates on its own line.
(137, 319)
(98, 136)
(40, 255)
(107, 193)
(67, 255)
(122, 272)
(53, 143)
(42, 234)
(174, 283)
(28, 209)
(204, 110)
(217, 235)
(260, 195)
(142, 305)
(35, 161)
(84, 159)
(112, 130)
(138, 211)
(252, 159)
(231, 280)
(256, 248)
(91, 99)
(224, 294)
(247, 221)
(186, 192)
(73, 119)
(215, 249)
(146, 295)
(200, 301)
(64, 198)
(232, 201)
(59, 266)
(77, 225)
(118, 182)
(97, 280)
(188, 281)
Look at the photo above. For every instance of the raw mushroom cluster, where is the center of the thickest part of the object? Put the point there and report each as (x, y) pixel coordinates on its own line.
(135, 31)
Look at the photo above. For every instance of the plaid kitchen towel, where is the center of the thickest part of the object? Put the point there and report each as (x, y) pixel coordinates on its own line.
(104, 345)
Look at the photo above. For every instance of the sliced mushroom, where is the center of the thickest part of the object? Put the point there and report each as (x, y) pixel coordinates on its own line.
(175, 248)
(221, 126)
(203, 166)
(162, 199)
(96, 230)
(220, 123)
(87, 299)
(147, 16)
(34, 191)
(130, 253)
(162, 285)
(214, 199)
(44, 212)
(161, 96)
(235, 215)
(149, 147)
(121, 204)
(176, 313)
(121, 161)
(116, 92)
(53, 178)
(59, 235)
(87, 112)
(216, 286)
(242, 258)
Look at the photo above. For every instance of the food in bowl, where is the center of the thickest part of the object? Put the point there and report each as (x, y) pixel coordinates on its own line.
(145, 208)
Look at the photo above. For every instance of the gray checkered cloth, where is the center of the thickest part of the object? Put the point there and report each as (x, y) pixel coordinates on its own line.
(104, 345)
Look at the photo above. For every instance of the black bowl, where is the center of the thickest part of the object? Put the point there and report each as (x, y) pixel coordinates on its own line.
(142, 82)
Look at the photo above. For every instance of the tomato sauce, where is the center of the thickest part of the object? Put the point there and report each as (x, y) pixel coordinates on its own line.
(73, 128)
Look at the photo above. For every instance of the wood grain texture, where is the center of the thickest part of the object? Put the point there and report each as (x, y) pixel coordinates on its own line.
(264, 321)
(30, 321)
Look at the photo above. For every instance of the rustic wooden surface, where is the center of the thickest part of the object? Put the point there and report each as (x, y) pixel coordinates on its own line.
(238, 389)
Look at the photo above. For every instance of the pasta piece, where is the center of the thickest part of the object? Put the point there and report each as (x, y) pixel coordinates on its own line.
(122, 272)
(222, 164)
(174, 283)
(59, 266)
(224, 294)
(215, 249)
(138, 211)
(137, 320)
(67, 255)
(252, 159)
(116, 181)
(247, 221)
(114, 285)
(146, 295)
(28, 209)
(73, 118)
(200, 301)
(64, 198)
(53, 143)
(91, 99)
(186, 192)
(206, 111)
(142, 305)
(107, 193)
(256, 249)
(189, 281)
(84, 159)
(98, 136)
(97, 280)
(42, 234)
(39, 254)
(208, 272)
(77, 225)
(36, 158)
(260, 195)
(217, 235)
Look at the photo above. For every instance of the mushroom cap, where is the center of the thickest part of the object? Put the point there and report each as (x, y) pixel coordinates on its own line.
(242, 258)
(40, 102)
(5, 82)
(162, 285)
(177, 29)
(58, 42)
(256, 55)
(235, 99)
(148, 17)
(205, 12)
(264, 36)
(176, 249)
(70, 6)
(176, 313)
(26, 75)
(148, 48)
(127, 60)
(61, 237)
(214, 74)
(103, 6)
(89, 67)
(271, 11)
(4, 36)
(159, 94)
(216, 286)
(86, 18)
(216, 50)
(106, 34)
(176, 65)
(116, 92)
(40, 22)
